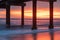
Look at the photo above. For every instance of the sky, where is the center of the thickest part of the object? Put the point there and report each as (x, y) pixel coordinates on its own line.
(42, 10)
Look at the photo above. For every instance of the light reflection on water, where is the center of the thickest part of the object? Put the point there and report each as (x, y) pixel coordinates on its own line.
(29, 22)
(38, 36)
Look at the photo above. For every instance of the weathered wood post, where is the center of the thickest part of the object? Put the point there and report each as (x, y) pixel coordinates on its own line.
(7, 15)
(34, 14)
(51, 14)
(22, 15)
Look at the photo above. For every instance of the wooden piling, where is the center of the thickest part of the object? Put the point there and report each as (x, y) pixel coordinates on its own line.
(7, 15)
(34, 14)
(51, 14)
(22, 15)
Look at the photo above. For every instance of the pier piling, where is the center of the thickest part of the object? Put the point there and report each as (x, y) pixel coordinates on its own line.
(7, 16)
(51, 14)
(34, 14)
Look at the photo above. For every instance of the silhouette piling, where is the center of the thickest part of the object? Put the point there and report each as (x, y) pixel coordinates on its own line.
(7, 3)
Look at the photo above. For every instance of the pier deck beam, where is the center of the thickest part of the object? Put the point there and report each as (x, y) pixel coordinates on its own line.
(34, 14)
(8, 16)
(51, 14)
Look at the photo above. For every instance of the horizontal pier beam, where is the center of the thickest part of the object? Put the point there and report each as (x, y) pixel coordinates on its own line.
(27, 0)
(4, 4)
(47, 0)
(17, 4)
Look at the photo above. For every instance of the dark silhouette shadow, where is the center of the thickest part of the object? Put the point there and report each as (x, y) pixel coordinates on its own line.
(52, 35)
(34, 36)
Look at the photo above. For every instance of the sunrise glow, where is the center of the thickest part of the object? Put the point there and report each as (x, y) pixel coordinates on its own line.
(41, 13)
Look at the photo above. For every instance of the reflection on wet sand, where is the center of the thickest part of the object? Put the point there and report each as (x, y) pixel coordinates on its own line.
(52, 35)
(38, 36)
(34, 36)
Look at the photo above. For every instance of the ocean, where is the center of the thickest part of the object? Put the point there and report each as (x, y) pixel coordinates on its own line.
(41, 24)
(28, 22)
